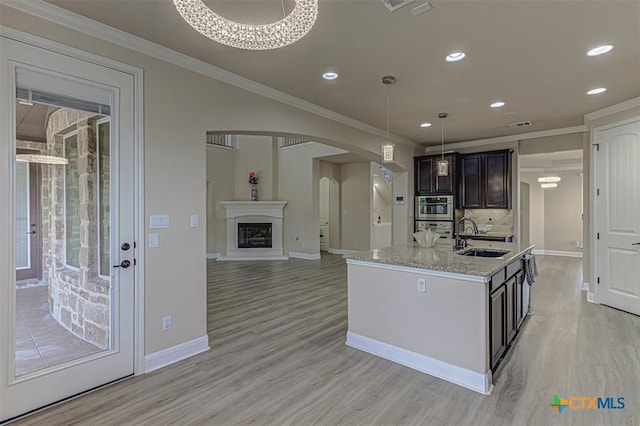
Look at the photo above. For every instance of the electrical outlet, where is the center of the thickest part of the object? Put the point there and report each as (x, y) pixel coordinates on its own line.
(166, 323)
(422, 285)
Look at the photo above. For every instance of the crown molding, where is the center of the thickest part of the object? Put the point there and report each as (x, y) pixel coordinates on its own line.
(613, 109)
(118, 37)
(510, 138)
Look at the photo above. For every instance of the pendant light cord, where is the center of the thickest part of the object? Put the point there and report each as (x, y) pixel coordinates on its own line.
(442, 127)
(387, 112)
(283, 12)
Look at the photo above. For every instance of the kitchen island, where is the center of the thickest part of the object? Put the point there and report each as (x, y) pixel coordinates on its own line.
(436, 310)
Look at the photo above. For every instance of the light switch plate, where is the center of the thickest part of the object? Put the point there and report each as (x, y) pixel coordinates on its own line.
(153, 241)
(159, 221)
(194, 221)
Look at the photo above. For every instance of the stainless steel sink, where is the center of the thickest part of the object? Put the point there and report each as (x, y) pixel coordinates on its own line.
(483, 252)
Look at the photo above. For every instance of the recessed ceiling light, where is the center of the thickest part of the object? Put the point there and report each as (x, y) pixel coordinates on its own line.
(330, 75)
(497, 104)
(455, 56)
(600, 50)
(425, 125)
(597, 91)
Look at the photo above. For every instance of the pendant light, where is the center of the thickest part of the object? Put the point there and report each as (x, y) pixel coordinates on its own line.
(387, 147)
(443, 165)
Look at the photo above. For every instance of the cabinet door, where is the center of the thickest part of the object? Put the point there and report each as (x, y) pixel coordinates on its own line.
(423, 175)
(497, 337)
(443, 184)
(511, 321)
(497, 180)
(470, 181)
(521, 310)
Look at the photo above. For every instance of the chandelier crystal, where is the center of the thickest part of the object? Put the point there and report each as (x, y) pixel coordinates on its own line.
(278, 34)
(548, 179)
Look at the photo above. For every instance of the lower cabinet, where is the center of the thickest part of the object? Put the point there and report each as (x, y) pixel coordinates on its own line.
(497, 335)
(506, 310)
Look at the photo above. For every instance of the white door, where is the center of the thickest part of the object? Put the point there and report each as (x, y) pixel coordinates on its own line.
(70, 328)
(617, 216)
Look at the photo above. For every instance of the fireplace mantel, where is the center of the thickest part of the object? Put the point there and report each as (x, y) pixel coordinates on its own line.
(254, 212)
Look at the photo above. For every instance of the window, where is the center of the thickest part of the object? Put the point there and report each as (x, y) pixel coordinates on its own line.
(72, 201)
(103, 200)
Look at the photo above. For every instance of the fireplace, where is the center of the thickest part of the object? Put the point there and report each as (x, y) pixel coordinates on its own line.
(254, 230)
(254, 235)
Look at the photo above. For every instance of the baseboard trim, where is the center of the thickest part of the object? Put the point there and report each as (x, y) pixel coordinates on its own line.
(340, 251)
(306, 256)
(245, 258)
(460, 376)
(557, 253)
(584, 286)
(213, 255)
(591, 298)
(175, 353)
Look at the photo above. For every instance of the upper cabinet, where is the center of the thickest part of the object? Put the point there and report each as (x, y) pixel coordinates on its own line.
(427, 181)
(485, 180)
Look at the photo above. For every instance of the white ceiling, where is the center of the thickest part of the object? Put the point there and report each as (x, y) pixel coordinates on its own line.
(529, 53)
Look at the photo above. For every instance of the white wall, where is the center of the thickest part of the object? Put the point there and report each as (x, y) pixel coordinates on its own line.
(299, 180)
(220, 187)
(563, 211)
(254, 153)
(355, 203)
(537, 209)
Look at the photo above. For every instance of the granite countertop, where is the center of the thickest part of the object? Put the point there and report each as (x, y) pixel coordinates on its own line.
(442, 258)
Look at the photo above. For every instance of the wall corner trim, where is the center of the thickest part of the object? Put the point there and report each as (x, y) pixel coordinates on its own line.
(175, 353)
(306, 256)
(584, 286)
(452, 373)
(591, 298)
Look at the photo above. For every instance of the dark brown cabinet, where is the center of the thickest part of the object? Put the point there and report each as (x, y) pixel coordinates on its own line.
(427, 181)
(498, 338)
(511, 323)
(485, 180)
(506, 309)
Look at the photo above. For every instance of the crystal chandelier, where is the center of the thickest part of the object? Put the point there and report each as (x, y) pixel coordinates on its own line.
(251, 37)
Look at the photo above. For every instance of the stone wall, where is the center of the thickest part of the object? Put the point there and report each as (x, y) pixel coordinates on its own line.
(78, 296)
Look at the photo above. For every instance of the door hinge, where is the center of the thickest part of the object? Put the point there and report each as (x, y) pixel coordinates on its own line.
(598, 280)
(598, 235)
(597, 191)
(597, 145)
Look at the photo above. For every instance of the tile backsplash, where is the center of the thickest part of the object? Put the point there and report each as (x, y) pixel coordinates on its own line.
(501, 219)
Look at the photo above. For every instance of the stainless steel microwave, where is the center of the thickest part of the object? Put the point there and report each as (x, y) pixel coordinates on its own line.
(437, 207)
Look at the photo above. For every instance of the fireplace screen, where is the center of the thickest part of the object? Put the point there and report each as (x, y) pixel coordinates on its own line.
(254, 235)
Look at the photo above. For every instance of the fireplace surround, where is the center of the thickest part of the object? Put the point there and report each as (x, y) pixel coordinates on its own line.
(254, 230)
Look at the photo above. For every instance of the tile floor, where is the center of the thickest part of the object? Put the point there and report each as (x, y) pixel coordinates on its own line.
(40, 341)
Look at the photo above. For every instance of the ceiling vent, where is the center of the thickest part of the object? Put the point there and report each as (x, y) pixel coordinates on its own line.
(520, 124)
(425, 7)
(396, 4)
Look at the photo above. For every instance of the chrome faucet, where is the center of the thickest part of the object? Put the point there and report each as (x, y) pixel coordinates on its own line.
(462, 242)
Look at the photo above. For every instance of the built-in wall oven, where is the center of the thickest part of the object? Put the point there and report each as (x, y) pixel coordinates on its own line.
(438, 207)
(442, 227)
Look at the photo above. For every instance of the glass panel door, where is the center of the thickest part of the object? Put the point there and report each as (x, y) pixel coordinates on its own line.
(66, 314)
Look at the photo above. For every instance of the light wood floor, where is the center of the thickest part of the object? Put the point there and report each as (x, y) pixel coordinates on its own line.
(277, 331)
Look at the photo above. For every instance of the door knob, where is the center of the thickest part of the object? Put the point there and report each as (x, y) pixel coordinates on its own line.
(31, 232)
(636, 244)
(125, 246)
(124, 264)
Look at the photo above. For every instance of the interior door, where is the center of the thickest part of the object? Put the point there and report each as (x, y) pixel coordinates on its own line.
(83, 305)
(617, 211)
